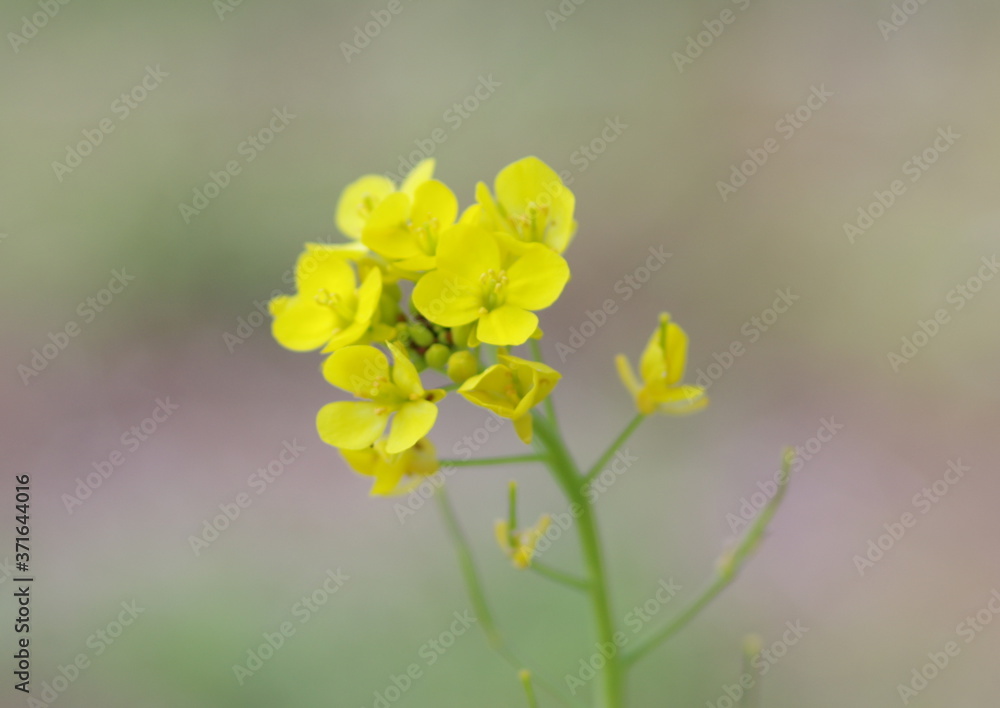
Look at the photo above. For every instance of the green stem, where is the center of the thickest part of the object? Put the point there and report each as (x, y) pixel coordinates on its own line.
(727, 569)
(478, 598)
(613, 448)
(560, 576)
(529, 690)
(568, 478)
(678, 623)
(486, 461)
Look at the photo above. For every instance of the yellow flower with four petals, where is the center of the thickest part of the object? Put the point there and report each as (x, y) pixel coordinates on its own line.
(531, 203)
(394, 474)
(492, 281)
(511, 389)
(662, 369)
(329, 310)
(364, 371)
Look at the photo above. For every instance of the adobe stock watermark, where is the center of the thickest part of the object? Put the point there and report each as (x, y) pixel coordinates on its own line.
(130, 441)
(698, 43)
(751, 506)
(563, 11)
(463, 449)
(364, 34)
(588, 153)
(626, 287)
(121, 108)
(247, 325)
(787, 127)
(923, 501)
(259, 481)
(453, 117)
(32, 25)
(97, 643)
(430, 652)
(637, 618)
(958, 297)
(303, 611)
(225, 7)
(901, 14)
(915, 167)
(87, 311)
(969, 630)
(733, 694)
(249, 150)
(753, 329)
(562, 522)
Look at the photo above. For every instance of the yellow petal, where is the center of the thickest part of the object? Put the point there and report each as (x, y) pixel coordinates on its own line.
(507, 326)
(486, 211)
(358, 200)
(351, 334)
(523, 427)
(404, 373)
(446, 299)
(353, 425)
(627, 375)
(387, 231)
(356, 369)
(490, 390)
(665, 356)
(388, 477)
(361, 461)
(300, 324)
(468, 252)
(368, 296)
(420, 173)
(501, 531)
(681, 400)
(531, 184)
(434, 203)
(412, 422)
(417, 264)
(330, 276)
(537, 278)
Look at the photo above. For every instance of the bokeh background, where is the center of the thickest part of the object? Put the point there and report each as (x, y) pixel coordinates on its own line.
(561, 73)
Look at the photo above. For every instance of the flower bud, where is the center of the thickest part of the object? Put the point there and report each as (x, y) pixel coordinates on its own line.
(437, 356)
(462, 365)
(421, 336)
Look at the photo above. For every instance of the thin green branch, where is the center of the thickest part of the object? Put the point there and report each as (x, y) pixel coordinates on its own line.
(613, 448)
(728, 567)
(474, 589)
(487, 461)
(529, 690)
(560, 576)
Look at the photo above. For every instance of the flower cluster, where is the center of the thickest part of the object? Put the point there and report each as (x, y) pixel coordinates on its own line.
(431, 286)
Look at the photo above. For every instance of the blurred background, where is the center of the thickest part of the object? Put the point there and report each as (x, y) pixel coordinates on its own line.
(133, 341)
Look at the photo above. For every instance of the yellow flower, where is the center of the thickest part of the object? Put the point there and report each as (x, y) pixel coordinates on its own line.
(394, 474)
(490, 280)
(531, 203)
(511, 389)
(329, 308)
(364, 371)
(360, 198)
(520, 545)
(405, 227)
(662, 368)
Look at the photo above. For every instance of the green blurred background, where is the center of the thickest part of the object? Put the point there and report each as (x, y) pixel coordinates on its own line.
(559, 77)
